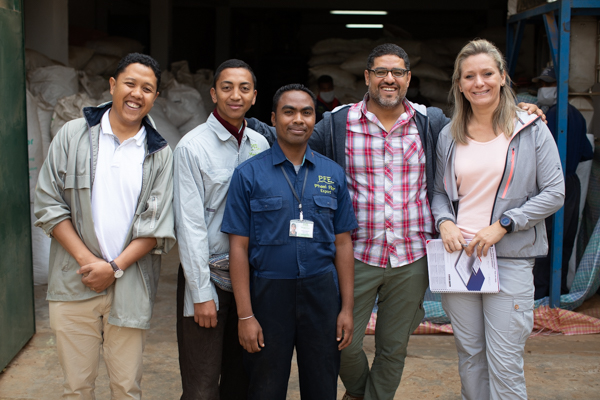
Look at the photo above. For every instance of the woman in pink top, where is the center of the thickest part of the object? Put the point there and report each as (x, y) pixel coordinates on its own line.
(498, 176)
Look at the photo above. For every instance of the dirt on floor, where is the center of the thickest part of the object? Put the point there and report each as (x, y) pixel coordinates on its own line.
(557, 367)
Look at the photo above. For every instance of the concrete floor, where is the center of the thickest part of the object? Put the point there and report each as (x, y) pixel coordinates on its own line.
(556, 367)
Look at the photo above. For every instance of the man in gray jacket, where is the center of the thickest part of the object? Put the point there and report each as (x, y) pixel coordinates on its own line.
(104, 196)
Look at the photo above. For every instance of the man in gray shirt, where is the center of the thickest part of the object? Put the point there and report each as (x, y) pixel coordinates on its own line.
(210, 356)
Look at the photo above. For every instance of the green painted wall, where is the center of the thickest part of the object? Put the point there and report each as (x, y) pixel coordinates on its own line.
(17, 317)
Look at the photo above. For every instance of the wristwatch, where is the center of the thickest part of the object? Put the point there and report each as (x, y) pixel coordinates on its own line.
(115, 267)
(507, 223)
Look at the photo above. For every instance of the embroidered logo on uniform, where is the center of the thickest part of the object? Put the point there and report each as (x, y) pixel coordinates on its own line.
(325, 184)
(254, 150)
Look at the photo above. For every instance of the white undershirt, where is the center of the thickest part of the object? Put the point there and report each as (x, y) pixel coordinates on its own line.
(117, 186)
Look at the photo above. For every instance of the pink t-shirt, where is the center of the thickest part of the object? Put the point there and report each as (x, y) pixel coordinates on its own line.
(478, 167)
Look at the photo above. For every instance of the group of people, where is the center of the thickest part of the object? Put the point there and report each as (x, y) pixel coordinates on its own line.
(290, 232)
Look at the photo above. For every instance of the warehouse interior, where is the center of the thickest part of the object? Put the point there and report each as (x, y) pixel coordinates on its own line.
(275, 38)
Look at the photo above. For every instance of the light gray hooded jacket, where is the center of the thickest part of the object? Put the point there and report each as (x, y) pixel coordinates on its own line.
(532, 187)
(64, 191)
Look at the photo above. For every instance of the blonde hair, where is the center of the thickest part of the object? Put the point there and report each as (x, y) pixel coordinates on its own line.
(504, 116)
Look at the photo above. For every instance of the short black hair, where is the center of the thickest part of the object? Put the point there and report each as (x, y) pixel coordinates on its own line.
(325, 79)
(388, 49)
(138, 58)
(290, 88)
(233, 63)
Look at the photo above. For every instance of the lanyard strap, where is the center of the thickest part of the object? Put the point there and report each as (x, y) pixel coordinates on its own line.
(294, 191)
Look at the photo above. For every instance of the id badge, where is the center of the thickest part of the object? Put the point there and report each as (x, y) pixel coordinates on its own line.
(301, 228)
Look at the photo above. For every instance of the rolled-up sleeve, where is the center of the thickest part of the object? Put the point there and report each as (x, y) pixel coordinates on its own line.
(50, 207)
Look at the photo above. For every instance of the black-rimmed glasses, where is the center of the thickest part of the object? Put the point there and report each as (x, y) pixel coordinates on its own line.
(396, 72)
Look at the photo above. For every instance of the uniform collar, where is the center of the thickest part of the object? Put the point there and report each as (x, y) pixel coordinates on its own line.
(279, 157)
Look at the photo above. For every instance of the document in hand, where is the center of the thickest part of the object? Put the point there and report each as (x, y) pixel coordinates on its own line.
(458, 273)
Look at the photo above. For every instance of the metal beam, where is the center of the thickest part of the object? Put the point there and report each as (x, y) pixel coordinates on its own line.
(534, 12)
(514, 37)
(552, 33)
(562, 70)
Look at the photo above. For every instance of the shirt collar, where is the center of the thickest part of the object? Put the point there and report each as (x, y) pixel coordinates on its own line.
(106, 129)
(279, 157)
(408, 109)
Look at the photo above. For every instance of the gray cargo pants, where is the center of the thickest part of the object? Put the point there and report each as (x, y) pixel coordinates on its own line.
(490, 331)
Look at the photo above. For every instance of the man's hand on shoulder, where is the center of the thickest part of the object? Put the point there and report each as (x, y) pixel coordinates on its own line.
(532, 108)
(97, 275)
(205, 314)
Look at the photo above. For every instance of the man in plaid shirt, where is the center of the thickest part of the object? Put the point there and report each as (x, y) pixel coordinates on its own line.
(387, 146)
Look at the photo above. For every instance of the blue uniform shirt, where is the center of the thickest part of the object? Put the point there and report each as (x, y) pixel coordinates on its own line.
(261, 204)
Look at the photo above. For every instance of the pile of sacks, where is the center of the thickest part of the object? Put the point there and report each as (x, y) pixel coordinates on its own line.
(57, 94)
(345, 61)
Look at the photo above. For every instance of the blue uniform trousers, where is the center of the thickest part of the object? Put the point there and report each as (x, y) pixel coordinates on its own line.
(299, 313)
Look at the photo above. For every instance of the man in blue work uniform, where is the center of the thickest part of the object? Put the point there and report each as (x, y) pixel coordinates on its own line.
(286, 286)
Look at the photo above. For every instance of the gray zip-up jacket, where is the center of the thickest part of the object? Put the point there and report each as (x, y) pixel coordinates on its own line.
(204, 161)
(532, 187)
(64, 191)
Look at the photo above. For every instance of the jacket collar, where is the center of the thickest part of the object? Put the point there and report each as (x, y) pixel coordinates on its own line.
(524, 120)
(222, 133)
(155, 142)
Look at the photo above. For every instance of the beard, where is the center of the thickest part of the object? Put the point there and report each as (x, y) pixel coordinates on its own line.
(386, 102)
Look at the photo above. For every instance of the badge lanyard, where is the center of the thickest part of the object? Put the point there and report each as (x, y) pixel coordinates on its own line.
(299, 227)
(294, 190)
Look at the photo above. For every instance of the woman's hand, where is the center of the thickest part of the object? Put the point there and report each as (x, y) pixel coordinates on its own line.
(485, 238)
(451, 236)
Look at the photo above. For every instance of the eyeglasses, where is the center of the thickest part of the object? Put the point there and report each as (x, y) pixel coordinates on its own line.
(396, 72)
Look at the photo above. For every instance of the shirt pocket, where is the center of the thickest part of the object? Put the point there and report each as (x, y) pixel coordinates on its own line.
(413, 152)
(271, 220)
(323, 213)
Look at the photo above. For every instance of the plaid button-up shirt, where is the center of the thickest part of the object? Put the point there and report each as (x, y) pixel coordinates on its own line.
(386, 180)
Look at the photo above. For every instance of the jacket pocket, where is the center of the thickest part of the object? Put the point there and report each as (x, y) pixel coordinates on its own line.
(323, 213)
(271, 220)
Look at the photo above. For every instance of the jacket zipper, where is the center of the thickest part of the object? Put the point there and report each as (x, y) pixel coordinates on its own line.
(512, 170)
(445, 184)
(498, 191)
(92, 172)
(154, 206)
